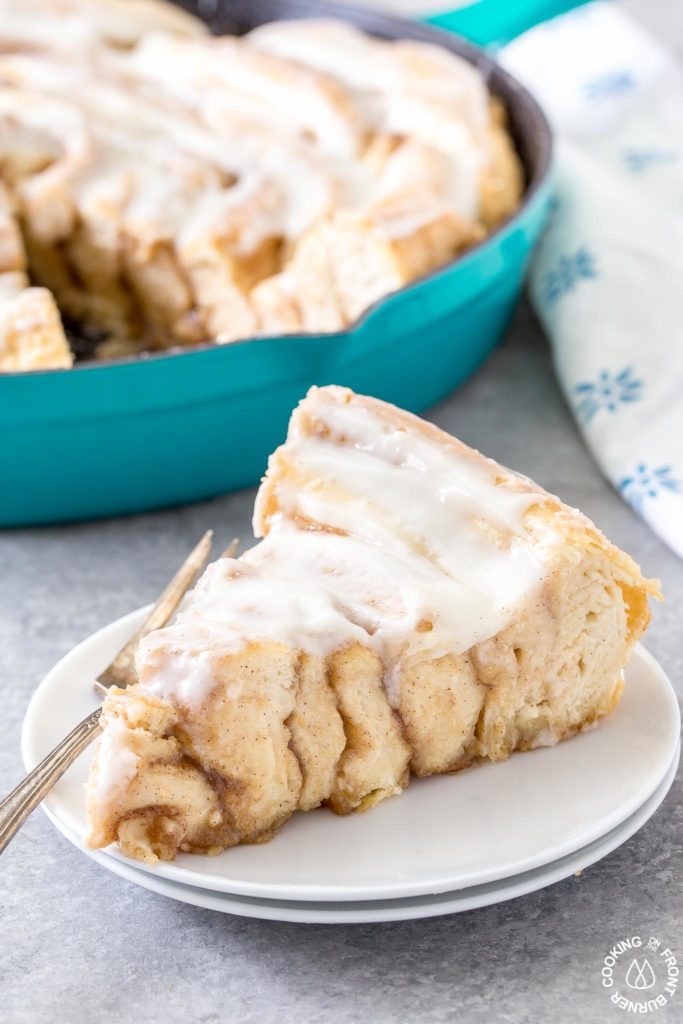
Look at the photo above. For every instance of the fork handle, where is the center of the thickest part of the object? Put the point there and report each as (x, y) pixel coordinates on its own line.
(15, 808)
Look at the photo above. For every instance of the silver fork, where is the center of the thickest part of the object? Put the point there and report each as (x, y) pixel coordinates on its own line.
(15, 808)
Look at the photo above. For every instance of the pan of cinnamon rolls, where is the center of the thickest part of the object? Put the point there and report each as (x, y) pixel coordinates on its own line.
(202, 217)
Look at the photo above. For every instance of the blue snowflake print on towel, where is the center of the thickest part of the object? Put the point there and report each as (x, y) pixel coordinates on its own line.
(606, 394)
(610, 85)
(579, 266)
(647, 484)
(638, 160)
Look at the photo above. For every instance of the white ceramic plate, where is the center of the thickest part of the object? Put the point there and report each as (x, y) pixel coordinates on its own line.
(442, 834)
(393, 910)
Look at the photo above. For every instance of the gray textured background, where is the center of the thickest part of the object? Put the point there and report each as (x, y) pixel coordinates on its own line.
(80, 945)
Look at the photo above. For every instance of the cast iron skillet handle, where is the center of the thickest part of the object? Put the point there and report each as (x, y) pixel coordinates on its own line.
(492, 23)
(15, 808)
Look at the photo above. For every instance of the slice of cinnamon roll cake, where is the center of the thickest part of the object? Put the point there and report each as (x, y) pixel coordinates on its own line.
(411, 607)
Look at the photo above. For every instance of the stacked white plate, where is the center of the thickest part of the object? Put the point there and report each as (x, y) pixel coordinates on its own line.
(447, 844)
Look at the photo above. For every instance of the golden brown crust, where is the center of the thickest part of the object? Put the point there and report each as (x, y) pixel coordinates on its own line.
(31, 332)
(503, 181)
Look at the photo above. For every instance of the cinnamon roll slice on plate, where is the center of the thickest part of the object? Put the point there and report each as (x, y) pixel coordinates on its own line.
(411, 608)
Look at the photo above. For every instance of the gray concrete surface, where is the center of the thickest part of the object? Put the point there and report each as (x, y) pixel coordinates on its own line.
(79, 945)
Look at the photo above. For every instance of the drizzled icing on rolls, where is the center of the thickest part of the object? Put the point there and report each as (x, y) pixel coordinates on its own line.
(406, 90)
(177, 187)
(377, 529)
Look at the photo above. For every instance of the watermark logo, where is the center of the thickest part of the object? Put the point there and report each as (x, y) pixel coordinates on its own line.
(640, 976)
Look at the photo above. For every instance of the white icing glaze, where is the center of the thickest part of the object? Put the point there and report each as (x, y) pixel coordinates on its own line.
(409, 89)
(288, 91)
(383, 535)
(116, 763)
(72, 25)
(283, 186)
(546, 738)
(380, 73)
(226, 143)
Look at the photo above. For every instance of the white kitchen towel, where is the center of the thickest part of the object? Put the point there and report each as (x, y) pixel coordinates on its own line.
(607, 279)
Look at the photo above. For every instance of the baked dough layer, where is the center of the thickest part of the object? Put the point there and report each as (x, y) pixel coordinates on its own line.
(31, 333)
